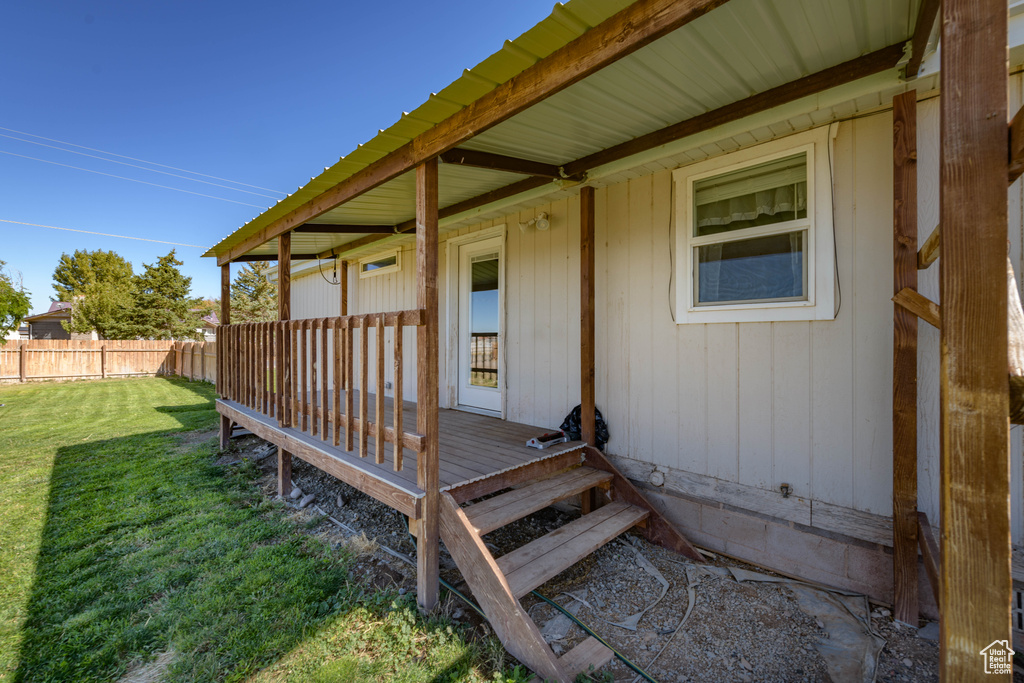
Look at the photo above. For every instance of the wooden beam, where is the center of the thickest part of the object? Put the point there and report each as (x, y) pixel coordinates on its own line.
(920, 305)
(855, 69)
(451, 210)
(622, 34)
(930, 553)
(1016, 145)
(904, 359)
(922, 31)
(588, 248)
(975, 582)
(499, 162)
(427, 462)
(330, 229)
(275, 257)
(929, 250)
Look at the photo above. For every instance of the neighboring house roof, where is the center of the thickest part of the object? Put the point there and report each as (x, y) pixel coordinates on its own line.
(725, 56)
(58, 309)
(211, 320)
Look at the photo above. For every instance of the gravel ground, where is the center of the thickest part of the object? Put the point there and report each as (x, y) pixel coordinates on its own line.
(734, 631)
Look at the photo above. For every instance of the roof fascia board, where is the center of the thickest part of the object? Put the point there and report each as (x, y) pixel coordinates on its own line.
(620, 35)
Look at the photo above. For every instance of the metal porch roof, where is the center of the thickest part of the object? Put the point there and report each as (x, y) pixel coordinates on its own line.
(737, 50)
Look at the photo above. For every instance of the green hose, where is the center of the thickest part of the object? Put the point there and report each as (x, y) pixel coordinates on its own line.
(476, 608)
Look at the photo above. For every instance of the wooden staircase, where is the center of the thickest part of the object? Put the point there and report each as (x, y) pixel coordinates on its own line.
(611, 506)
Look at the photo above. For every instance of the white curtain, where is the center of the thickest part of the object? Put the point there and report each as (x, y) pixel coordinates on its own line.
(748, 207)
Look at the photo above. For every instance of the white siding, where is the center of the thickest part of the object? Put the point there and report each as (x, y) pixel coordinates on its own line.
(759, 404)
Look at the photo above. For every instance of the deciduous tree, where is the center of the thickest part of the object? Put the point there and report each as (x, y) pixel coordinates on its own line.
(14, 302)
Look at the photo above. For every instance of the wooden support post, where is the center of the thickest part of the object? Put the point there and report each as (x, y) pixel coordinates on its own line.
(975, 584)
(103, 361)
(222, 339)
(427, 464)
(22, 363)
(904, 359)
(284, 312)
(587, 332)
(225, 433)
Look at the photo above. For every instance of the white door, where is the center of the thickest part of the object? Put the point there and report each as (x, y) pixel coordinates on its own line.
(480, 325)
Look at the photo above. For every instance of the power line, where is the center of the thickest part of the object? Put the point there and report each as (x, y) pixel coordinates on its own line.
(125, 163)
(134, 180)
(101, 234)
(122, 156)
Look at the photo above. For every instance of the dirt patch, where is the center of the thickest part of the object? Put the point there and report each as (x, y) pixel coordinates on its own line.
(734, 631)
(149, 673)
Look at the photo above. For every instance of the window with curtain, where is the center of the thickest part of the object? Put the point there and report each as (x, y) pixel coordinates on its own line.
(754, 240)
(749, 234)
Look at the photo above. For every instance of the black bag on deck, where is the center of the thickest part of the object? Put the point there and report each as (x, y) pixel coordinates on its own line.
(573, 429)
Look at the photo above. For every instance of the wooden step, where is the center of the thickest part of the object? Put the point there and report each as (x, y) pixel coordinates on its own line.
(496, 512)
(589, 653)
(531, 565)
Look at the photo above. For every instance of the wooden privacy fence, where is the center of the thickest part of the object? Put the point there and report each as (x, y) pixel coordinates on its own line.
(43, 359)
(290, 370)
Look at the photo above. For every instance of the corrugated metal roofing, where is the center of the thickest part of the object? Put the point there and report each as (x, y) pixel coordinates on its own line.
(739, 49)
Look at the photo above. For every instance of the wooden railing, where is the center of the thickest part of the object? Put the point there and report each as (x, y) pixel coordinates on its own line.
(302, 373)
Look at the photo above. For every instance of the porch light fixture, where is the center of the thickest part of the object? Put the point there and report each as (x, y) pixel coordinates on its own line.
(541, 222)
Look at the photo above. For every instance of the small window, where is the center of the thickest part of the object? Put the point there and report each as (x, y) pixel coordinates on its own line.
(380, 264)
(751, 236)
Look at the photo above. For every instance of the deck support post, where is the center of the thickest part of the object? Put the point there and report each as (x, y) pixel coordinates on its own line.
(587, 333)
(427, 462)
(904, 360)
(223, 350)
(975, 579)
(284, 312)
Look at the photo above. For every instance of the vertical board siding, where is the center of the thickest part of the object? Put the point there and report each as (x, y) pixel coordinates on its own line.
(760, 404)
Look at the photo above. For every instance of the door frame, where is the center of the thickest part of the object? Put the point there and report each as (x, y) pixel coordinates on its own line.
(451, 353)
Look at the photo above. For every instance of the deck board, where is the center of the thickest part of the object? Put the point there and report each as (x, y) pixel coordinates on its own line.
(472, 446)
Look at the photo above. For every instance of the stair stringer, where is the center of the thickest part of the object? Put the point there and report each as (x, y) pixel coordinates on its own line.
(513, 626)
(658, 529)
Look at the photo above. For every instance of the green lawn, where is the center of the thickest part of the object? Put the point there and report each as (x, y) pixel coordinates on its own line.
(120, 540)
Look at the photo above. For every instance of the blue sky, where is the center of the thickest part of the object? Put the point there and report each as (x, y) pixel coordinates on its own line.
(262, 93)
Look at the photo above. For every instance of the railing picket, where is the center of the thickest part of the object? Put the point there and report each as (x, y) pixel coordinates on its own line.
(379, 444)
(337, 385)
(304, 379)
(397, 406)
(325, 406)
(348, 385)
(265, 368)
(294, 418)
(364, 333)
(314, 325)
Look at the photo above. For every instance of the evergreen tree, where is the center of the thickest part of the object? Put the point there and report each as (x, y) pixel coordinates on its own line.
(162, 306)
(13, 303)
(253, 297)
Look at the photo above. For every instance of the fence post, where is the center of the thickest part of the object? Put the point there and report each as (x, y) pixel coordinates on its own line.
(22, 368)
(103, 361)
(202, 362)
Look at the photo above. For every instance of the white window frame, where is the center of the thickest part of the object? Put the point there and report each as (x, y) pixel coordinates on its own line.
(819, 303)
(397, 266)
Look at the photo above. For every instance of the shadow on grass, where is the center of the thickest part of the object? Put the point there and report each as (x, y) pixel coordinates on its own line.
(149, 547)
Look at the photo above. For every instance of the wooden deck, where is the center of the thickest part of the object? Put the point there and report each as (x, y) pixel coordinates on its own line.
(473, 448)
